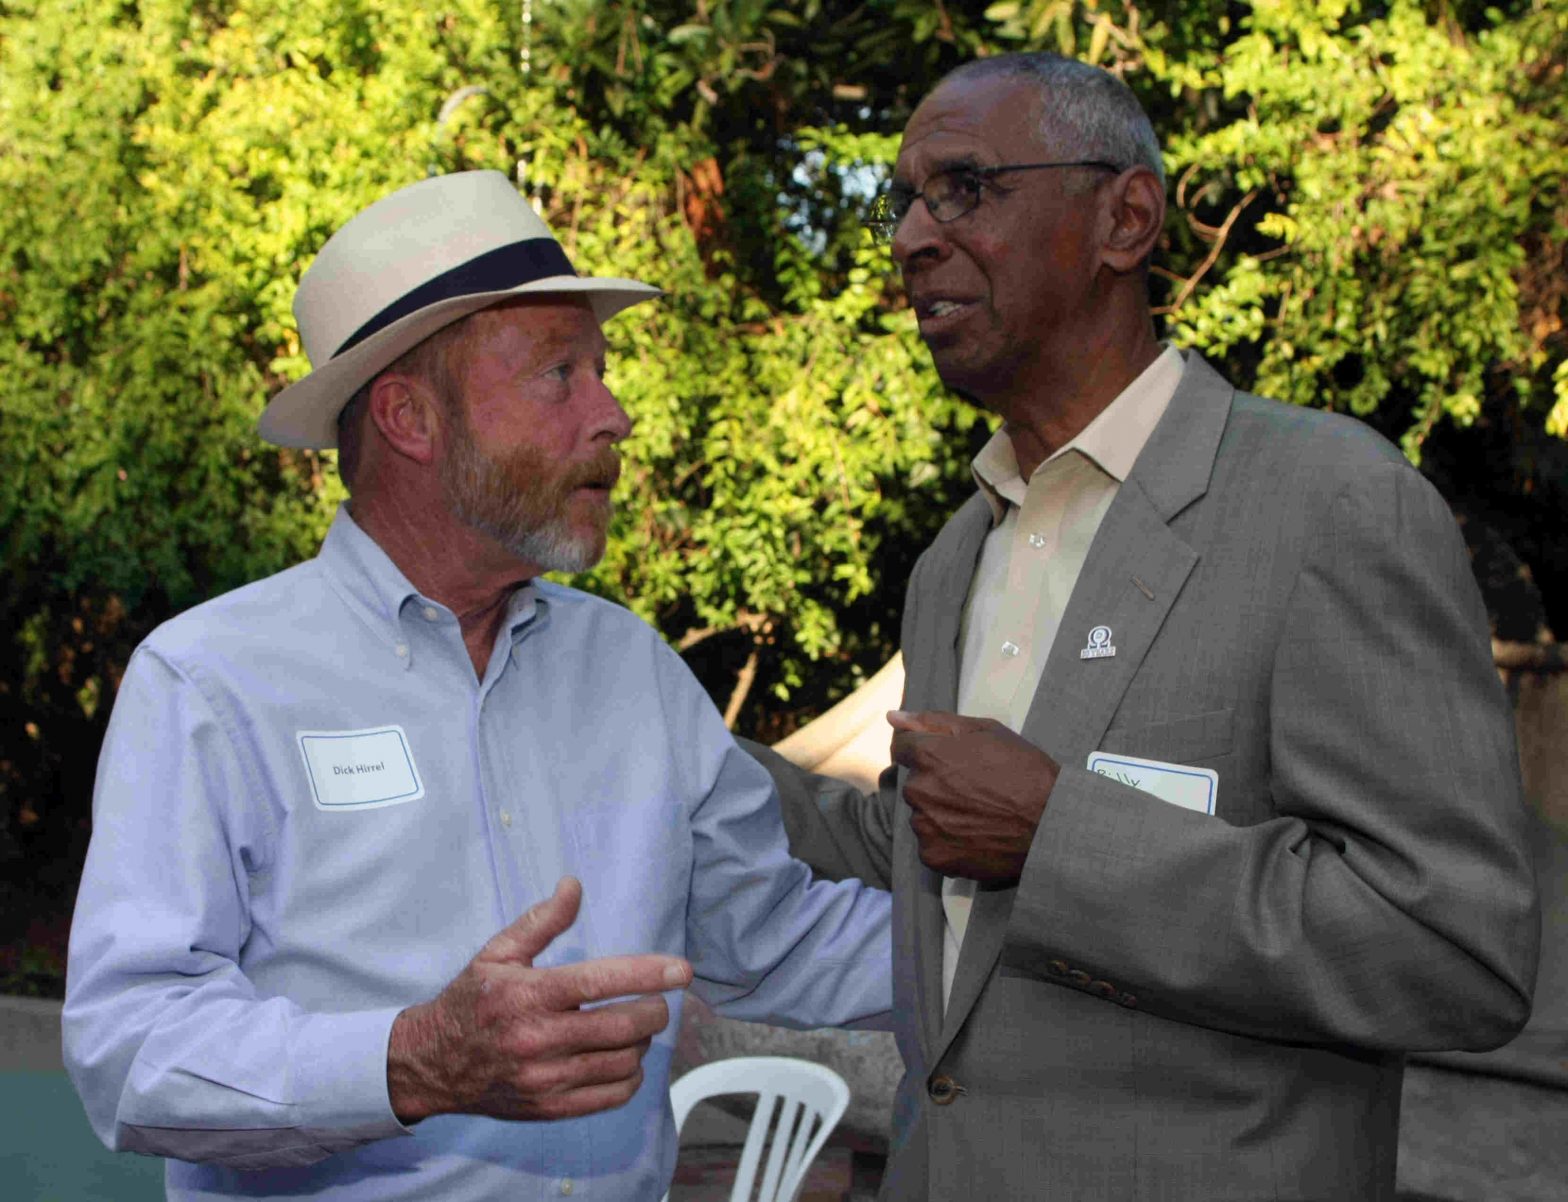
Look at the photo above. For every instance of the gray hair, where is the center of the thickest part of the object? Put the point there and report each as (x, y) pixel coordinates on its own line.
(438, 360)
(1092, 110)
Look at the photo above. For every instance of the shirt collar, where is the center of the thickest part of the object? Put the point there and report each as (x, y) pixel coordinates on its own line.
(375, 587)
(1113, 440)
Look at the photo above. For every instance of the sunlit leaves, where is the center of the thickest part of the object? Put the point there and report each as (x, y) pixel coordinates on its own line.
(1404, 166)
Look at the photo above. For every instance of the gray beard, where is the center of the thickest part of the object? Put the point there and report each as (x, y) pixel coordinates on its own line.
(527, 520)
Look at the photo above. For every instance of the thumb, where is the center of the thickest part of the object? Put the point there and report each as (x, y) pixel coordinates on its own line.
(537, 926)
(929, 722)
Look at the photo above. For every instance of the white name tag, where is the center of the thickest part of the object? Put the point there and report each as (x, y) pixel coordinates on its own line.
(360, 769)
(1190, 788)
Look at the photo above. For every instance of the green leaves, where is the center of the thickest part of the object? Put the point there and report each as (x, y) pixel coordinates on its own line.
(1402, 168)
(1369, 207)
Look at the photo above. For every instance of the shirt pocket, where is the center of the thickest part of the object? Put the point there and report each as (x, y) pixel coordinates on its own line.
(1191, 739)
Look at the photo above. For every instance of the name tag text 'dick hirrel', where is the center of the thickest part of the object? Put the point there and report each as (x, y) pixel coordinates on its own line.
(360, 769)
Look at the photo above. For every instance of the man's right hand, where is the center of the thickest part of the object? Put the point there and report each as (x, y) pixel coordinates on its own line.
(509, 1040)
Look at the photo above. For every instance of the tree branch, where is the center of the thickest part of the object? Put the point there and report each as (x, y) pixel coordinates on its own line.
(1220, 237)
(743, 683)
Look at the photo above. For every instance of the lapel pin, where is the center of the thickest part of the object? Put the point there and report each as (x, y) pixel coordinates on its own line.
(1099, 644)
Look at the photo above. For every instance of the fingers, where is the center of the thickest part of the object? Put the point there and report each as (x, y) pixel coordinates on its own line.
(582, 1083)
(574, 985)
(932, 848)
(932, 722)
(911, 729)
(538, 926)
(589, 1099)
(595, 1068)
(617, 1027)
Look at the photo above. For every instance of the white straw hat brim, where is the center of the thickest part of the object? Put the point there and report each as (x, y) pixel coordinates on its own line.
(417, 260)
(305, 414)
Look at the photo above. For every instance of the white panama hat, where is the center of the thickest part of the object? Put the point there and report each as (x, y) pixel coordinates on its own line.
(411, 263)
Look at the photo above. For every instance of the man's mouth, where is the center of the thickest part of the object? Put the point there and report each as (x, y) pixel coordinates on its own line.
(598, 485)
(939, 311)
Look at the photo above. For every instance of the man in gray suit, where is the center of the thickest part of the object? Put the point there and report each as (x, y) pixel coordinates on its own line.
(1205, 806)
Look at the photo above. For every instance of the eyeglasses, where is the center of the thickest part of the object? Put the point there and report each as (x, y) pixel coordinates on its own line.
(950, 194)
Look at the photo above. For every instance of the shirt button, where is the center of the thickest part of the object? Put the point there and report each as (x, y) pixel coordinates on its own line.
(567, 1186)
(1009, 649)
(431, 613)
(402, 650)
(506, 819)
(1037, 540)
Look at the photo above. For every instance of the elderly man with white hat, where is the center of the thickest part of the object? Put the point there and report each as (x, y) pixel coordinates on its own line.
(402, 857)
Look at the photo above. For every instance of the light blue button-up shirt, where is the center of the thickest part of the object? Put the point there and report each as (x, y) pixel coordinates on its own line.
(310, 814)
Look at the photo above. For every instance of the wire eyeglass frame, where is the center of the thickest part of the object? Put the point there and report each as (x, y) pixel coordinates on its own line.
(950, 194)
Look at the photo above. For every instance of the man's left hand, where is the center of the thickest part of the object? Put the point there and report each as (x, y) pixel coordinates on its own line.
(977, 790)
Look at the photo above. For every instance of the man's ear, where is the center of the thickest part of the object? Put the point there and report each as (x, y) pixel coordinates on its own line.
(1135, 209)
(406, 412)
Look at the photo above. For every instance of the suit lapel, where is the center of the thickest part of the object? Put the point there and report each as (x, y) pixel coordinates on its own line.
(931, 678)
(1077, 697)
(931, 683)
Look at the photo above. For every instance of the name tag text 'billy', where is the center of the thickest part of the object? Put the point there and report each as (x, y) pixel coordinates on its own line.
(360, 769)
(1180, 784)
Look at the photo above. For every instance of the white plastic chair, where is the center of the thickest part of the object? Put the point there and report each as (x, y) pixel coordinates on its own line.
(810, 1100)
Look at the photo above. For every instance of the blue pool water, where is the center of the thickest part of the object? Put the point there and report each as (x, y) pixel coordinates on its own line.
(48, 1153)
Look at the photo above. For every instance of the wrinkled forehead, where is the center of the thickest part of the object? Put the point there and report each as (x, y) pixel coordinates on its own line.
(971, 123)
(545, 324)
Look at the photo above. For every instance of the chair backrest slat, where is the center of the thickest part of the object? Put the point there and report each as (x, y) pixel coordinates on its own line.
(808, 1098)
(751, 1154)
(778, 1151)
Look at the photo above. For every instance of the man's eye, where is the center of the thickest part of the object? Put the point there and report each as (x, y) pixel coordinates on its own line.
(964, 183)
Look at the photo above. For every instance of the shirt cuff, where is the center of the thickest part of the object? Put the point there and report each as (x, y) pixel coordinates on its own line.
(340, 1069)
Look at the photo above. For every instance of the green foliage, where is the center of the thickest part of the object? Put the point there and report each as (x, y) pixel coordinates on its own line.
(1404, 171)
(1369, 212)
(167, 170)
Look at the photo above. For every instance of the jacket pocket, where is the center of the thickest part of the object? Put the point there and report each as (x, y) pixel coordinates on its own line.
(1184, 740)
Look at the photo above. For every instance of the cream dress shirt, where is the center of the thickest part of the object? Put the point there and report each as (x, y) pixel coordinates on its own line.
(1040, 535)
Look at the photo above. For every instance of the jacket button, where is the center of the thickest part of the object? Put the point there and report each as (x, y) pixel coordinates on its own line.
(943, 1090)
(1104, 988)
(1057, 968)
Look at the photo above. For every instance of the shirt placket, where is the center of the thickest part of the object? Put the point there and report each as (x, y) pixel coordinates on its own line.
(513, 718)
(513, 793)
(1035, 540)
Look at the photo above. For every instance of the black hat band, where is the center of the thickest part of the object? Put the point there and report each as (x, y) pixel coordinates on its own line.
(497, 270)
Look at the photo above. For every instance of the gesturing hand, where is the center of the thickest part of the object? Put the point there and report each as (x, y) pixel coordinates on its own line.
(509, 1040)
(977, 791)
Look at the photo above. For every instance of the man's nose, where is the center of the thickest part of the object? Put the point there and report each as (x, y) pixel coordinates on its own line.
(918, 236)
(611, 421)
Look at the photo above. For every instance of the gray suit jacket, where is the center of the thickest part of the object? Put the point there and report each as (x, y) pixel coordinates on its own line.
(1171, 1006)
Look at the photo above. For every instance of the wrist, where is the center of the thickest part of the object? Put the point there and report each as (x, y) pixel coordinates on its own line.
(413, 1084)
